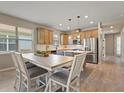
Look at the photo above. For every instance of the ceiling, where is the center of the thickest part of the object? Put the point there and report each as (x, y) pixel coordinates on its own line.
(53, 13)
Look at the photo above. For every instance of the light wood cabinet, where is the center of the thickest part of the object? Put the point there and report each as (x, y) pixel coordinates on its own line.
(40, 36)
(50, 37)
(82, 35)
(44, 36)
(89, 34)
(64, 39)
(95, 33)
(75, 35)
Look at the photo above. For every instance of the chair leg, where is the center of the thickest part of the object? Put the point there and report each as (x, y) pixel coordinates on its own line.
(78, 84)
(50, 82)
(67, 89)
(19, 87)
(47, 86)
(63, 88)
(15, 83)
(46, 79)
(28, 87)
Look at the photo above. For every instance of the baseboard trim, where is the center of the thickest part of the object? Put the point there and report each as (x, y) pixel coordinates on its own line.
(6, 69)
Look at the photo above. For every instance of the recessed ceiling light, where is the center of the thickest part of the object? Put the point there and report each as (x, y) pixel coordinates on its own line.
(91, 22)
(85, 17)
(60, 24)
(111, 27)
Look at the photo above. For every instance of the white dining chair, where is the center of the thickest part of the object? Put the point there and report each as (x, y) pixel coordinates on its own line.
(66, 78)
(18, 72)
(28, 77)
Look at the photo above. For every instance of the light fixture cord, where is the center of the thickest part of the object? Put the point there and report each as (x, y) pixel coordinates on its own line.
(70, 23)
(78, 17)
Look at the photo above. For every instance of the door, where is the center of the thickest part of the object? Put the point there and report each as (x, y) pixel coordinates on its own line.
(109, 45)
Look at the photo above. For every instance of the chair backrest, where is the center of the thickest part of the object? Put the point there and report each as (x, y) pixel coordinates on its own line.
(15, 61)
(77, 66)
(22, 65)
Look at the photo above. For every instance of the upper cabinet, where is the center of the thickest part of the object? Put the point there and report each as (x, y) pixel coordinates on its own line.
(44, 36)
(40, 36)
(95, 33)
(50, 37)
(76, 35)
(64, 39)
(67, 39)
(82, 34)
(89, 34)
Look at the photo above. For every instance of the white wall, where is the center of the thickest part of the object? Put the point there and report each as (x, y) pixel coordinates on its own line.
(122, 45)
(5, 60)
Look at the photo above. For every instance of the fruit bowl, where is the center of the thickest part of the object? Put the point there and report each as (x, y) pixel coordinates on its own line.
(42, 53)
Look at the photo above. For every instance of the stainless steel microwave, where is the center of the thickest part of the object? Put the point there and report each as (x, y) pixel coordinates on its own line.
(76, 42)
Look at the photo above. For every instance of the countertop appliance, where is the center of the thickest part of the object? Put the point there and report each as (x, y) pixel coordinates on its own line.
(76, 42)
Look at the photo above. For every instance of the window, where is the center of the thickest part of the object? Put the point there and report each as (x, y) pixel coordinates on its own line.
(7, 38)
(11, 40)
(25, 38)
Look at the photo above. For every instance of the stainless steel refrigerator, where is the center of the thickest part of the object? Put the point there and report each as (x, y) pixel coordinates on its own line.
(91, 44)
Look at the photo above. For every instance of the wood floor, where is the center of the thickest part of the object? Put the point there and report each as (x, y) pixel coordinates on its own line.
(106, 76)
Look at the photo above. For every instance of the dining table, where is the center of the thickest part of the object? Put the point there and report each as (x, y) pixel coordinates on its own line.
(49, 63)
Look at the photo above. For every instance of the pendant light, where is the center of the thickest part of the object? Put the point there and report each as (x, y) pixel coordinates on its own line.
(78, 21)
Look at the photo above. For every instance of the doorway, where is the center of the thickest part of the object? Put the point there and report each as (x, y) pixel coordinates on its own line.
(113, 45)
(118, 46)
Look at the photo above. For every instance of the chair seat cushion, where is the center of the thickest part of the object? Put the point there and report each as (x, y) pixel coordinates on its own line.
(30, 65)
(60, 76)
(36, 71)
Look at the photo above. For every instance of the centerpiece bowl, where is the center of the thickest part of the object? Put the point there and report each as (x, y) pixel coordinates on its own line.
(42, 53)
